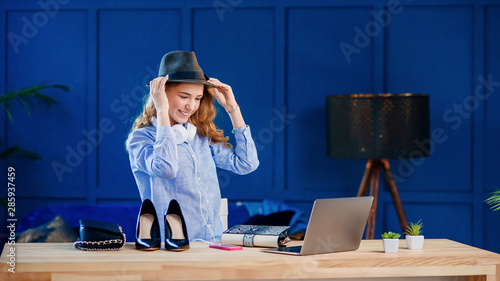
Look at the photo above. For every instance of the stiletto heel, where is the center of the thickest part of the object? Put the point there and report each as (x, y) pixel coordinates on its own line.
(148, 235)
(176, 237)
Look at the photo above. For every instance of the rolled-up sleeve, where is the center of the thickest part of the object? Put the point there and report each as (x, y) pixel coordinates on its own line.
(152, 150)
(243, 159)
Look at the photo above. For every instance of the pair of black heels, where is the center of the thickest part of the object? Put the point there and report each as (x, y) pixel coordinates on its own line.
(148, 235)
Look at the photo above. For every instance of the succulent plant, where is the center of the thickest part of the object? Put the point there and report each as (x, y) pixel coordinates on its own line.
(391, 235)
(414, 229)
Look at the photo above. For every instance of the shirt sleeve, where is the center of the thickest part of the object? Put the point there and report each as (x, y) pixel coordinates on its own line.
(242, 159)
(154, 153)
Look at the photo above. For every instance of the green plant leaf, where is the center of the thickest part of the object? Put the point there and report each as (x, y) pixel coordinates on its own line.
(16, 150)
(391, 235)
(27, 96)
(3, 202)
(414, 229)
(494, 200)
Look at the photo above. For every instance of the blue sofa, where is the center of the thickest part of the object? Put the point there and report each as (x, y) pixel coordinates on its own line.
(126, 215)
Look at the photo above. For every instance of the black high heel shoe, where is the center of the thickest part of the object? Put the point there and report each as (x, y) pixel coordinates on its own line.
(148, 235)
(176, 237)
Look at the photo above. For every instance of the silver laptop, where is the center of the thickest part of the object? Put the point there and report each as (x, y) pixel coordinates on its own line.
(335, 225)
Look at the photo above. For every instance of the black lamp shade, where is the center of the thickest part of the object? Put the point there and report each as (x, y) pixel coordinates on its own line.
(378, 126)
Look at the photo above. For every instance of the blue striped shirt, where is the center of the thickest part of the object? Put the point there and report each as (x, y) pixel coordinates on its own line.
(164, 170)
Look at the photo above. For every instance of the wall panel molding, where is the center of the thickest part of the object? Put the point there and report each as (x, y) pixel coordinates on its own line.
(145, 35)
(282, 60)
(444, 42)
(244, 59)
(317, 66)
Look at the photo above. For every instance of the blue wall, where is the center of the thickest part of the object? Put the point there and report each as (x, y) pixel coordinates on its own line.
(282, 59)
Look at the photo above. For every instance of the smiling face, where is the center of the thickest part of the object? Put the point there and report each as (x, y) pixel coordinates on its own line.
(183, 100)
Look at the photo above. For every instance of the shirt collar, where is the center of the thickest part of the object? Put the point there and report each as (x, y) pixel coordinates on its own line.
(154, 122)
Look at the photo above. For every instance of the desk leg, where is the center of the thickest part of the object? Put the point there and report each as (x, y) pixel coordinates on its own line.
(483, 278)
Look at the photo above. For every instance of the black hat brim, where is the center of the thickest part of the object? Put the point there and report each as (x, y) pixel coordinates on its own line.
(190, 81)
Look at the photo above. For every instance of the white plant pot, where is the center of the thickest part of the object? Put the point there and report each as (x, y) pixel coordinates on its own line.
(391, 245)
(415, 242)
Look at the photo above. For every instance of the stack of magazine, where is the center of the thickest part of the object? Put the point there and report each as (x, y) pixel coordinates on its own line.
(256, 235)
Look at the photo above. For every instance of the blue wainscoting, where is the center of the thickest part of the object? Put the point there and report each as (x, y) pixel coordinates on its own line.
(282, 58)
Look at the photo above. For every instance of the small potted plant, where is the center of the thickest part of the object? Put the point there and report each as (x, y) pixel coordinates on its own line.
(414, 237)
(391, 241)
(494, 200)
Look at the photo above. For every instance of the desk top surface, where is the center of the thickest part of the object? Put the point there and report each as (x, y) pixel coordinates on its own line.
(439, 257)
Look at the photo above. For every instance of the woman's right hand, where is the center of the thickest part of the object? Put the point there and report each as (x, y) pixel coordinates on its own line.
(158, 93)
(160, 100)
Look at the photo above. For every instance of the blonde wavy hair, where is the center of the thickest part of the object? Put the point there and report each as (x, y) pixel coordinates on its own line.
(201, 118)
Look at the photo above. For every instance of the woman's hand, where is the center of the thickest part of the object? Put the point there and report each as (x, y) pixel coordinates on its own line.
(158, 93)
(224, 95)
(160, 100)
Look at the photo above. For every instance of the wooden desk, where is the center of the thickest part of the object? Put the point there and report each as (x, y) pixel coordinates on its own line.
(60, 261)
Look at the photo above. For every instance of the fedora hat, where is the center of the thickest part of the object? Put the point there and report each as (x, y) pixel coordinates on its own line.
(182, 66)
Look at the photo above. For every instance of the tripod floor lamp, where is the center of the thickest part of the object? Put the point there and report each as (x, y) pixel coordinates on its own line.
(378, 127)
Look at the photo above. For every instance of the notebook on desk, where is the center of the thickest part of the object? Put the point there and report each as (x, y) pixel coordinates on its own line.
(335, 225)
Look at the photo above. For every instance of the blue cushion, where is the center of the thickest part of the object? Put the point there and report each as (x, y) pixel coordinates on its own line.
(126, 215)
(123, 214)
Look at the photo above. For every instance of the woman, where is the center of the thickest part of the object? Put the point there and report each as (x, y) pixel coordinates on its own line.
(174, 146)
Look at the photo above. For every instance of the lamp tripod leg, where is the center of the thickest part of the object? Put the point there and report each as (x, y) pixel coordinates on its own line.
(363, 187)
(374, 187)
(395, 195)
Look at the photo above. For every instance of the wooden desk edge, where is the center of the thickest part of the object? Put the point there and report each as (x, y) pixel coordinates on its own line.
(232, 269)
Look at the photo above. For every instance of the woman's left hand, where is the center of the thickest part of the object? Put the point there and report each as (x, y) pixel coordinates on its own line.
(224, 95)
